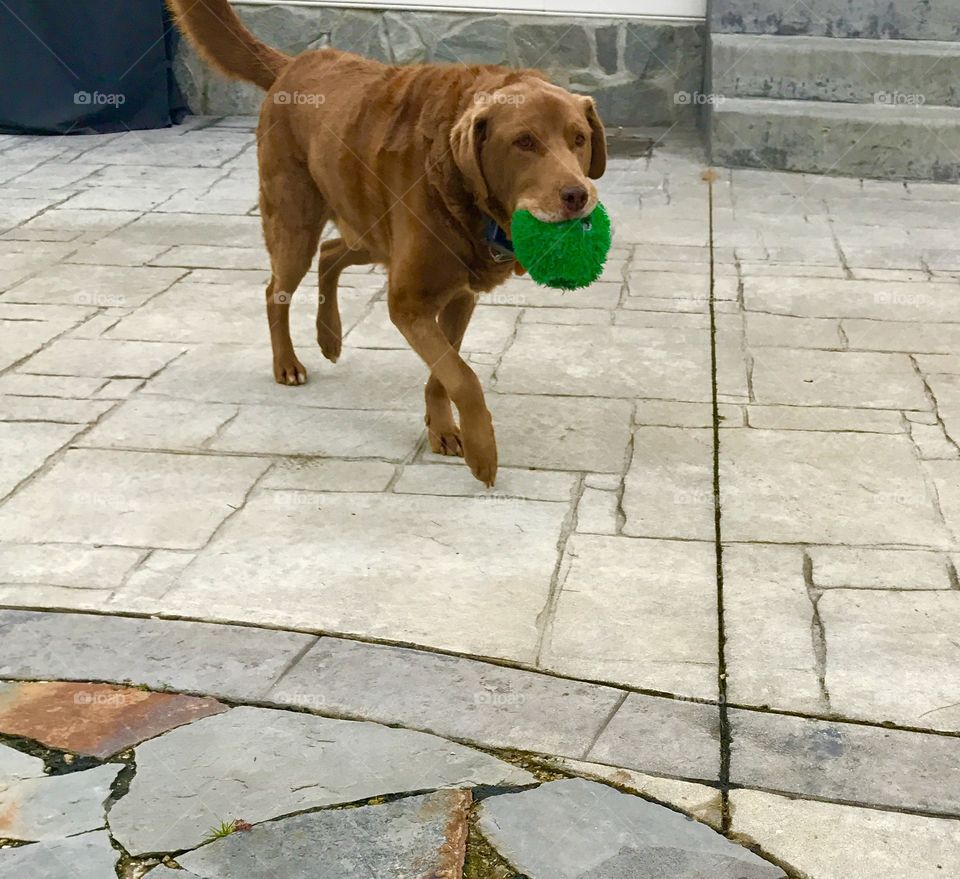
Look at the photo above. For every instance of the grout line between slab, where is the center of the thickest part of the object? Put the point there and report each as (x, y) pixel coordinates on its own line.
(724, 719)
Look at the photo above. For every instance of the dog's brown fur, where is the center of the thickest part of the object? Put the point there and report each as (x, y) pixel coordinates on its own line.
(408, 162)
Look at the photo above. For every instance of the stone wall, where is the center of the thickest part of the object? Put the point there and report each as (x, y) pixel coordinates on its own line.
(641, 73)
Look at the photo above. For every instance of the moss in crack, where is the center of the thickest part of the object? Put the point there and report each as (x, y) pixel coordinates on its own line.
(129, 867)
(483, 861)
(536, 766)
(121, 784)
(55, 762)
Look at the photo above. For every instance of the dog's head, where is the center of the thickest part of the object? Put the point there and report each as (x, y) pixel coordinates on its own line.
(530, 145)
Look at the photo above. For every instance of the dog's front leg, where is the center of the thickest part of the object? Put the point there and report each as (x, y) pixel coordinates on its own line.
(442, 430)
(414, 312)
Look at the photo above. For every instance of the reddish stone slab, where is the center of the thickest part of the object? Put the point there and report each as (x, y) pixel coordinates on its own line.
(95, 719)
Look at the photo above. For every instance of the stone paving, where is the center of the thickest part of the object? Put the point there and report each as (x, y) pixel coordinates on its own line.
(717, 575)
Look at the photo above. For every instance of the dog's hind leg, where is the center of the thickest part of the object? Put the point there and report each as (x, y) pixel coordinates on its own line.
(335, 256)
(442, 430)
(293, 214)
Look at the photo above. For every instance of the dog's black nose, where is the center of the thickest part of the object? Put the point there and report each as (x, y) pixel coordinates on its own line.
(573, 198)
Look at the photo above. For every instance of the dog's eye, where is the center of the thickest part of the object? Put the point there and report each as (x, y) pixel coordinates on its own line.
(525, 142)
(580, 139)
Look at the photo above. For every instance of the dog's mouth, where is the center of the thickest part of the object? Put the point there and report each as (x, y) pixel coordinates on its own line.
(558, 214)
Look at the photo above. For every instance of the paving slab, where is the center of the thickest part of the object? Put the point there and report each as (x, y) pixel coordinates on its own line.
(69, 387)
(15, 765)
(233, 662)
(406, 839)
(853, 763)
(20, 338)
(116, 253)
(159, 424)
(89, 855)
(871, 300)
(696, 800)
(653, 363)
(367, 379)
(769, 627)
(238, 764)
(102, 357)
(825, 418)
(392, 578)
(94, 719)
(932, 442)
(892, 656)
(130, 498)
(830, 841)
(890, 335)
(576, 828)
(830, 488)
(56, 806)
(329, 474)
(946, 478)
(306, 430)
(512, 483)
(197, 312)
(786, 331)
(451, 696)
(24, 446)
(98, 286)
(490, 329)
(52, 409)
(850, 568)
(946, 389)
(662, 735)
(655, 629)
(598, 511)
(560, 433)
(800, 377)
(669, 490)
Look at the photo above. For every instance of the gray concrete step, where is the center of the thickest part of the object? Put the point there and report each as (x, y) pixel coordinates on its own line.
(900, 72)
(868, 19)
(860, 140)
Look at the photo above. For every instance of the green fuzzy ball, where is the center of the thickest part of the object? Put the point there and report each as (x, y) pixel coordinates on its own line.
(567, 255)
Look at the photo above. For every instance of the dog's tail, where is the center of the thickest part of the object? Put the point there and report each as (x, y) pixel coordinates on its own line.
(222, 40)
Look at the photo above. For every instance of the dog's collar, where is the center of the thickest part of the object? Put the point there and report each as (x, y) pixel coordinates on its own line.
(497, 240)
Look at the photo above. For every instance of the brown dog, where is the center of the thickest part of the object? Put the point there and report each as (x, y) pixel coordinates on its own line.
(410, 163)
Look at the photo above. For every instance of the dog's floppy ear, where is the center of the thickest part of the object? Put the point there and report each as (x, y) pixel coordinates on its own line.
(598, 140)
(466, 141)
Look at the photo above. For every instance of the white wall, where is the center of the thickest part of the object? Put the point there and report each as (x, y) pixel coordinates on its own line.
(685, 9)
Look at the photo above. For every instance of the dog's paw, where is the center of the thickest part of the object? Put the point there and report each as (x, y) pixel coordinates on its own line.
(330, 342)
(447, 443)
(480, 453)
(289, 371)
(444, 438)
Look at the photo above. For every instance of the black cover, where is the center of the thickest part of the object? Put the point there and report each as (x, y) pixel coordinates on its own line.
(86, 66)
